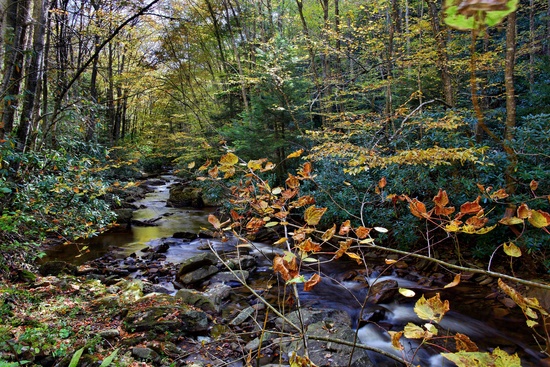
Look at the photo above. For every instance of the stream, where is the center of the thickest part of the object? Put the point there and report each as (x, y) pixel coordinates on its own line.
(475, 310)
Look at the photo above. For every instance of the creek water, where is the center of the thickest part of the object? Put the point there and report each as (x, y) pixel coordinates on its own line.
(473, 306)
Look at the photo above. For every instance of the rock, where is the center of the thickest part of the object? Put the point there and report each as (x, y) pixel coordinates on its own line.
(109, 333)
(242, 262)
(185, 235)
(164, 313)
(331, 324)
(196, 262)
(384, 291)
(57, 267)
(254, 344)
(197, 299)
(145, 353)
(185, 196)
(230, 277)
(242, 316)
(124, 215)
(196, 276)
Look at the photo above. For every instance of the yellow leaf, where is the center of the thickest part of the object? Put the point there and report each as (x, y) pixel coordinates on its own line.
(229, 159)
(295, 154)
(407, 292)
(313, 215)
(454, 283)
(355, 257)
(510, 221)
(329, 233)
(212, 219)
(533, 185)
(255, 164)
(280, 241)
(191, 165)
(512, 250)
(432, 309)
(538, 219)
(413, 331)
(390, 261)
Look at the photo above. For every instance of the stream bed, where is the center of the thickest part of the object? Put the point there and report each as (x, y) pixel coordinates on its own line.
(475, 309)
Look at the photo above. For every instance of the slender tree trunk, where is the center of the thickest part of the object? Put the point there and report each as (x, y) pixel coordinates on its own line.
(442, 61)
(531, 44)
(510, 62)
(17, 18)
(34, 74)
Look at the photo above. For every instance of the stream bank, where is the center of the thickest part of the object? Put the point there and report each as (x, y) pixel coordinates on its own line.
(163, 298)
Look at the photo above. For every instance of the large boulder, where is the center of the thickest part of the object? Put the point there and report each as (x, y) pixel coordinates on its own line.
(182, 195)
(197, 268)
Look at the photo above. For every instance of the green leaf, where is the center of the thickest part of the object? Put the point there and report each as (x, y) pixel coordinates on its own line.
(76, 357)
(107, 361)
(476, 15)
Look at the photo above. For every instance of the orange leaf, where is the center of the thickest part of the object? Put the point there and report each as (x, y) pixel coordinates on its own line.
(302, 201)
(362, 232)
(212, 219)
(312, 282)
(533, 185)
(418, 209)
(286, 269)
(539, 219)
(344, 228)
(382, 183)
(441, 199)
(305, 172)
(313, 215)
(289, 194)
(292, 181)
(235, 216)
(454, 283)
(254, 224)
(295, 154)
(344, 246)
(477, 222)
(309, 246)
(471, 207)
(499, 194)
(523, 211)
(213, 172)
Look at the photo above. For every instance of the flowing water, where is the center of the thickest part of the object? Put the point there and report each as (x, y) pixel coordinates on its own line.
(471, 309)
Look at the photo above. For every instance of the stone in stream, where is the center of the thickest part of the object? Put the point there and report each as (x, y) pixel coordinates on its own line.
(210, 300)
(384, 291)
(330, 324)
(185, 196)
(197, 268)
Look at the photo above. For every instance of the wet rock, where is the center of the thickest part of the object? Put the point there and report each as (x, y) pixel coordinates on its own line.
(242, 316)
(331, 324)
(57, 267)
(196, 262)
(236, 276)
(242, 262)
(185, 196)
(185, 235)
(385, 291)
(146, 354)
(196, 276)
(164, 313)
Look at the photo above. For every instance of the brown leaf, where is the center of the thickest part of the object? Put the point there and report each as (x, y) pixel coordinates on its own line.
(441, 199)
(477, 222)
(362, 232)
(305, 172)
(471, 207)
(312, 282)
(302, 201)
(533, 185)
(395, 343)
(289, 193)
(463, 343)
(382, 183)
(313, 215)
(235, 216)
(345, 228)
(286, 269)
(213, 172)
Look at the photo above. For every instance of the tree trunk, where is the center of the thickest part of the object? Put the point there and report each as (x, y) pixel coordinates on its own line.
(16, 19)
(34, 74)
(510, 62)
(442, 61)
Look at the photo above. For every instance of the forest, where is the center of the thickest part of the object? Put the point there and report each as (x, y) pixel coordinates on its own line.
(417, 128)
